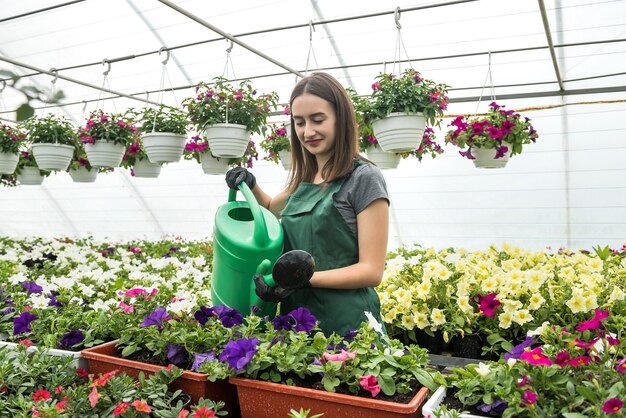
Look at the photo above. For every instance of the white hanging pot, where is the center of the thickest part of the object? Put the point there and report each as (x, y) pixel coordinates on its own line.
(8, 162)
(147, 169)
(400, 132)
(285, 159)
(30, 176)
(53, 156)
(212, 165)
(163, 147)
(486, 157)
(383, 160)
(82, 175)
(105, 153)
(227, 139)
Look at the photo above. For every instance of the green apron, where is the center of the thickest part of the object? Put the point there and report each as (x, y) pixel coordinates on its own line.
(312, 223)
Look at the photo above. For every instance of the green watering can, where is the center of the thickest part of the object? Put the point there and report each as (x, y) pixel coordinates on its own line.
(247, 240)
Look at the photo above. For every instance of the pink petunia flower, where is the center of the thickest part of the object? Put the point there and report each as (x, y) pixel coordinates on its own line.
(579, 361)
(536, 357)
(529, 397)
(612, 406)
(488, 304)
(94, 396)
(370, 383)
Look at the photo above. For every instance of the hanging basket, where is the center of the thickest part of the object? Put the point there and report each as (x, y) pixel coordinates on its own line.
(82, 175)
(8, 162)
(147, 169)
(53, 156)
(383, 160)
(214, 166)
(105, 153)
(486, 157)
(227, 139)
(163, 147)
(285, 159)
(30, 176)
(400, 132)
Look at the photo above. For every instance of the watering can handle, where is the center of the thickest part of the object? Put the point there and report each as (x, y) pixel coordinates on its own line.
(260, 237)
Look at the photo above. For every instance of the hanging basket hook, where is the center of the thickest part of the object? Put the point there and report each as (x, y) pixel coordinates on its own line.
(230, 47)
(396, 17)
(108, 64)
(55, 73)
(4, 85)
(167, 54)
(311, 30)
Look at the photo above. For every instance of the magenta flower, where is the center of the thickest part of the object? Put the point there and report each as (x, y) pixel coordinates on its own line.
(595, 322)
(580, 343)
(494, 106)
(488, 304)
(376, 86)
(612, 341)
(239, 96)
(562, 358)
(579, 361)
(341, 357)
(529, 397)
(467, 154)
(370, 383)
(612, 406)
(501, 151)
(506, 126)
(536, 357)
(494, 132)
(239, 353)
(524, 381)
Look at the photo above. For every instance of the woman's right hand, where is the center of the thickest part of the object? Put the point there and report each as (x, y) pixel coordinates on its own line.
(235, 176)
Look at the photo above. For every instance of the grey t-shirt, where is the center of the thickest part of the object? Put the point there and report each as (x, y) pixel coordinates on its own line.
(365, 185)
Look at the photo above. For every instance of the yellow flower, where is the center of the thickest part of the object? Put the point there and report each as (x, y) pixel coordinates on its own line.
(509, 305)
(522, 316)
(591, 302)
(534, 279)
(536, 300)
(576, 304)
(489, 285)
(390, 315)
(442, 273)
(421, 320)
(511, 264)
(505, 320)
(438, 317)
(423, 290)
(462, 288)
(408, 322)
(463, 303)
(616, 295)
(403, 297)
(595, 264)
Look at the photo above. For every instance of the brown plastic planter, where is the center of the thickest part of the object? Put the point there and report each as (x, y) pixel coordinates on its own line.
(259, 399)
(102, 359)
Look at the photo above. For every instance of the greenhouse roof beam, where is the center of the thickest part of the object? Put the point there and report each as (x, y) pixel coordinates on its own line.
(45, 9)
(577, 92)
(229, 37)
(546, 27)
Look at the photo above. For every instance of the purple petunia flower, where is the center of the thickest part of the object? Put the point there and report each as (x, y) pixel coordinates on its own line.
(501, 151)
(203, 314)
(176, 354)
(282, 323)
(54, 302)
(467, 154)
(72, 338)
(305, 321)
(200, 358)
(8, 310)
(349, 337)
(155, 318)
(516, 352)
(239, 353)
(22, 323)
(32, 287)
(229, 316)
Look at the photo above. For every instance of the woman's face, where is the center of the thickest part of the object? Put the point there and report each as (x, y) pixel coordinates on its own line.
(314, 119)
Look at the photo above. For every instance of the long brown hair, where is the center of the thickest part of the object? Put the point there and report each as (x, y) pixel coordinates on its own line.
(341, 162)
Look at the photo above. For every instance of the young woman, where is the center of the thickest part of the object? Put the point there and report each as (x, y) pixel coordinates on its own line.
(335, 206)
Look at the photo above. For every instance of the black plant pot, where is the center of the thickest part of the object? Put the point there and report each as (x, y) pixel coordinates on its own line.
(434, 344)
(468, 346)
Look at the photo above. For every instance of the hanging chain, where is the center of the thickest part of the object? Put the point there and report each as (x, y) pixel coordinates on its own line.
(491, 88)
(397, 53)
(105, 83)
(311, 50)
(225, 72)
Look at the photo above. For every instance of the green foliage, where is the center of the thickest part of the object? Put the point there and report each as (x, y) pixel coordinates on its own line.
(277, 140)
(221, 102)
(11, 138)
(161, 119)
(302, 413)
(51, 129)
(116, 128)
(25, 110)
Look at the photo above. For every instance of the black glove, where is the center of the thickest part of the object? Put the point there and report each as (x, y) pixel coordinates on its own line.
(293, 270)
(235, 176)
(269, 293)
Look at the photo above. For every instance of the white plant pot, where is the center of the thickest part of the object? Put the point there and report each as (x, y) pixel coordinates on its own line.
(435, 400)
(384, 160)
(227, 140)
(485, 157)
(212, 165)
(400, 132)
(163, 147)
(8, 162)
(105, 153)
(82, 175)
(285, 159)
(30, 176)
(78, 362)
(53, 156)
(145, 168)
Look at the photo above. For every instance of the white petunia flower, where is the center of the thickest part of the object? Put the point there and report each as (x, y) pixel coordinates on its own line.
(483, 369)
